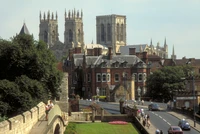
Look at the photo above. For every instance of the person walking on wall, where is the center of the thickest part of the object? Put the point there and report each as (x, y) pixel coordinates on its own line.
(47, 110)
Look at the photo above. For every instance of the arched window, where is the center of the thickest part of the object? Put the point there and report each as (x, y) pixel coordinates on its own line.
(108, 32)
(45, 36)
(79, 35)
(122, 31)
(102, 33)
(53, 36)
(70, 35)
(118, 31)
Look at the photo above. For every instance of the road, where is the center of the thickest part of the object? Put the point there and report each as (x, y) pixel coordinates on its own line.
(160, 119)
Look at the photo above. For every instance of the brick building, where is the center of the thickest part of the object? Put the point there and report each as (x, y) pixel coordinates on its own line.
(115, 76)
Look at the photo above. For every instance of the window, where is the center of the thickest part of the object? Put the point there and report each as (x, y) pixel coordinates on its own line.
(135, 76)
(98, 77)
(121, 34)
(116, 77)
(103, 91)
(79, 35)
(117, 64)
(102, 33)
(70, 35)
(45, 36)
(108, 32)
(144, 77)
(89, 77)
(108, 77)
(104, 77)
(139, 77)
(117, 31)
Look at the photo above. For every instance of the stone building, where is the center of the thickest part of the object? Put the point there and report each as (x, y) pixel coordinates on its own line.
(73, 34)
(150, 49)
(111, 31)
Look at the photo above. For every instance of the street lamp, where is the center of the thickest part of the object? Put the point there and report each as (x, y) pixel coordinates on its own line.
(193, 86)
(139, 94)
(193, 89)
(124, 78)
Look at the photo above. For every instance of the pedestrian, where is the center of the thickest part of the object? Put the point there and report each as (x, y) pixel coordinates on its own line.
(47, 110)
(148, 117)
(142, 102)
(51, 105)
(161, 132)
(157, 131)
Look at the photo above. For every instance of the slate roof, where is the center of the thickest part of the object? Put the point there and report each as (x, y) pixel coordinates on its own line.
(24, 30)
(125, 49)
(97, 60)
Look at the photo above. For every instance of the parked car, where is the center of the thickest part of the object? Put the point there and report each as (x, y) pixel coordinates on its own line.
(184, 125)
(175, 130)
(153, 106)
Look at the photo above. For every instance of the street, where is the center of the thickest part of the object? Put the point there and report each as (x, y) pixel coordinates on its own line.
(160, 119)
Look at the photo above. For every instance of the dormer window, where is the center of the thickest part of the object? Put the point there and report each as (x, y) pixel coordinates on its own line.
(117, 64)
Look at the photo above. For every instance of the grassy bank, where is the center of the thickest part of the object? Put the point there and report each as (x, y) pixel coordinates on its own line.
(100, 128)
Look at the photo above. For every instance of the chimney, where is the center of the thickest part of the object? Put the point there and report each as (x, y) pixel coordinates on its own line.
(109, 53)
(145, 57)
(131, 51)
(77, 50)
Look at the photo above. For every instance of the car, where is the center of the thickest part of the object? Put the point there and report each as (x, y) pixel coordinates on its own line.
(184, 125)
(153, 106)
(175, 130)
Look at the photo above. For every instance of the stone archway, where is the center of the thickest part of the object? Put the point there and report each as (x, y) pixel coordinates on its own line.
(57, 129)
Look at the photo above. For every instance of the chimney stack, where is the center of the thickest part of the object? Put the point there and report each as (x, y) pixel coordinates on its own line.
(131, 51)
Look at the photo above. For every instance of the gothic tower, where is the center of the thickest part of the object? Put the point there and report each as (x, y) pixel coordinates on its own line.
(74, 35)
(48, 29)
(111, 31)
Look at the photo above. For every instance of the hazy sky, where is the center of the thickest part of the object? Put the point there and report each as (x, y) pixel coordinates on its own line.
(177, 20)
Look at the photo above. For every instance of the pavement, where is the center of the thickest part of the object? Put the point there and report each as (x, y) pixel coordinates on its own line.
(152, 128)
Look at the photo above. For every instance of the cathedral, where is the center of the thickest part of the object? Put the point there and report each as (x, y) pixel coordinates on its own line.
(110, 32)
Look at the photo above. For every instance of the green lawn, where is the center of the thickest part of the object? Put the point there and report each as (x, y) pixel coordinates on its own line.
(104, 128)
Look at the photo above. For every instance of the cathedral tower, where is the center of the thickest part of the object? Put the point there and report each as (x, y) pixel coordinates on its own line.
(74, 35)
(111, 31)
(48, 29)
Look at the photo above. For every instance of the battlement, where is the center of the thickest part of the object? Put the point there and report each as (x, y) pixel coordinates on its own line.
(24, 122)
(48, 17)
(73, 14)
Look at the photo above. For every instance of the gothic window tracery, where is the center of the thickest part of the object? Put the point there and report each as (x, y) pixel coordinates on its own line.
(108, 32)
(79, 35)
(102, 33)
(118, 31)
(122, 31)
(70, 35)
(45, 36)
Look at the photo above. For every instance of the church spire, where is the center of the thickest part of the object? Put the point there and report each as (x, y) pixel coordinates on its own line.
(151, 42)
(165, 42)
(173, 56)
(40, 16)
(81, 13)
(56, 16)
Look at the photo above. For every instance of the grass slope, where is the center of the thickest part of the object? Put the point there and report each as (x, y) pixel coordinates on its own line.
(105, 128)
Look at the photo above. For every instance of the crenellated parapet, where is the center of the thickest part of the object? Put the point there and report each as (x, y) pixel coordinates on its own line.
(73, 14)
(24, 122)
(48, 16)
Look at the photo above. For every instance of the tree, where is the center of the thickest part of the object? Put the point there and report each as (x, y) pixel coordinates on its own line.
(163, 83)
(28, 74)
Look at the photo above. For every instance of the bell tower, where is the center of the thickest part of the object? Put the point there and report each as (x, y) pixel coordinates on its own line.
(48, 29)
(74, 34)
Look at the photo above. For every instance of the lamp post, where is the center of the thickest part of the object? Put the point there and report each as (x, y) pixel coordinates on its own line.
(139, 94)
(193, 100)
(124, 78)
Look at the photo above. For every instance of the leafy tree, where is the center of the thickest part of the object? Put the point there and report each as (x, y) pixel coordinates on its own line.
(28, 74)
(163, 83)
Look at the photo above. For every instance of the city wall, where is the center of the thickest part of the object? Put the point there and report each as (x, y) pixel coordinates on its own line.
(23, 123)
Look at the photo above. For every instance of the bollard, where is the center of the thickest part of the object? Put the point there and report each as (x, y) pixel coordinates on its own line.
(102, 114)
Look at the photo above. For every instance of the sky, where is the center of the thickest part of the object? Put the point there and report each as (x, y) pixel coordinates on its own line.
(176, 20)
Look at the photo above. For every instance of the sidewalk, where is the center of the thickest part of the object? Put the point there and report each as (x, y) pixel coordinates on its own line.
(191, 121)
